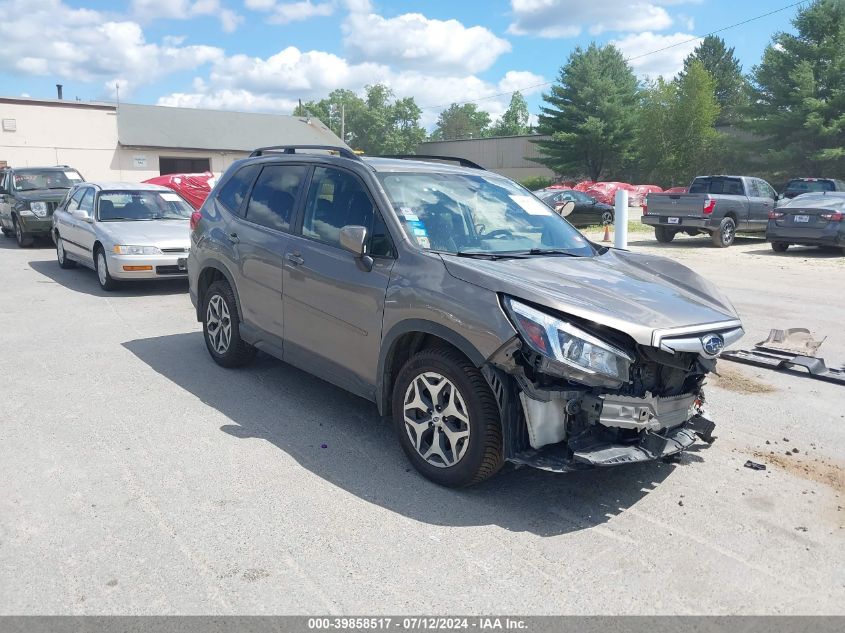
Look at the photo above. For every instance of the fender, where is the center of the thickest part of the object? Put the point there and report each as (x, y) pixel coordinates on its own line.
(213, 262)
(427, 327)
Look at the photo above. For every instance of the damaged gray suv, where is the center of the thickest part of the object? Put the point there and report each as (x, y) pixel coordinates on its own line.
(482, 323)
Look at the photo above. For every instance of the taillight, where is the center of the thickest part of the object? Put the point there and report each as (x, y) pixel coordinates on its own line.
(833, 217)
(709, 206)
(645, 206)
(196, 216)
(775, 215)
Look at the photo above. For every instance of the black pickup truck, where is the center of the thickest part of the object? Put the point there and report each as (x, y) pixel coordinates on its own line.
(717, 205)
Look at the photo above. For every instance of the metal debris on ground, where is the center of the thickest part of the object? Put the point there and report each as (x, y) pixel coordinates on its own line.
(790, 350)
(754, 465)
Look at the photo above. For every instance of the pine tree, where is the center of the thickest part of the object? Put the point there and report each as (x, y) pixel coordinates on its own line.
(590, 114)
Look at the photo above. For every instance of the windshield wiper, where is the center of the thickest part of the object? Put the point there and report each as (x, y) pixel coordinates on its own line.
(551, 251)
(492, 255)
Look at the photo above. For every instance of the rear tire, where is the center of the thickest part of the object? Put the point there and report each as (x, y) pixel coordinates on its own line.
(664, 234)
(61, 255)
(606, 218)
(221, 327)
(779, 247)
(24, 240)
(725, 235)
(455, 437)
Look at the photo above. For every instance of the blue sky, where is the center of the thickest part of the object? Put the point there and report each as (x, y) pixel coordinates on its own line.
(265, 54)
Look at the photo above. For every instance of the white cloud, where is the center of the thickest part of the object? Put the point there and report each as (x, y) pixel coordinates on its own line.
(46, 37)
(277, 82)
(666, 63)
(568, 18)
(413, 41)
(286, 12)
(149, 10)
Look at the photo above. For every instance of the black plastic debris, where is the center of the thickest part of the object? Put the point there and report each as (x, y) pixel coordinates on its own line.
(754, 465)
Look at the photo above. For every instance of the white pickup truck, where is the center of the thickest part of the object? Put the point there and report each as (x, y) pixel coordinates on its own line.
(717, 205)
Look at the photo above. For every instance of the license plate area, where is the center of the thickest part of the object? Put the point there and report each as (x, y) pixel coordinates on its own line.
(182, 263)
(673, 220)
(801, 219)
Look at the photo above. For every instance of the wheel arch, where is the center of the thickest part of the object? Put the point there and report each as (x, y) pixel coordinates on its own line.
(405, 339)
(214, 270)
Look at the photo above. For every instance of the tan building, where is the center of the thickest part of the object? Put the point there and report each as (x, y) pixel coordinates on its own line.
(131, 143)
(506, 155)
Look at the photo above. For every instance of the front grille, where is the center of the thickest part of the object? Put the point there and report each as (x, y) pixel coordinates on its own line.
(170, 270)
(174, 250)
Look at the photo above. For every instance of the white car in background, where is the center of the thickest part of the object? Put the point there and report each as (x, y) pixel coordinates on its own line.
(123, 231)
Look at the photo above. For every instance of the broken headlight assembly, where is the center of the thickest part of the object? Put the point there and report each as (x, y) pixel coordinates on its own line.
(574, 354)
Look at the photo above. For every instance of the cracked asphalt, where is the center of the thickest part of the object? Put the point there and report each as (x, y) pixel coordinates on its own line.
(140, 478)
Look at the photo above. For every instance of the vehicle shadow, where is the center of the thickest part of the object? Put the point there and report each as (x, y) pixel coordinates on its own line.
(341, 438)
(812, 252)
(40, 243)
(82, 279)
(696, 241)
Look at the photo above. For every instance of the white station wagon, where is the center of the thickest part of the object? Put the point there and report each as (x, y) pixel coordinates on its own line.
(123, 231)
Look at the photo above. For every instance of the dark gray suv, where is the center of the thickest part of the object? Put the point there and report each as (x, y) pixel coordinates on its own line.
(479, 320)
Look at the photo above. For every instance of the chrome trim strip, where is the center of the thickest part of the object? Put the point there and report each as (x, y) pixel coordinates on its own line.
(657, 336)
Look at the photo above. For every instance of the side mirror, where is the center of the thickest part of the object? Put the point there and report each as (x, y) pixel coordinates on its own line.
(566, 208)
(780, 197)
(354, 239)
(81, 214)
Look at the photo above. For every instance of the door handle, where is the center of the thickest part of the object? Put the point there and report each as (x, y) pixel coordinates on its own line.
(233, 238)
(294, 259)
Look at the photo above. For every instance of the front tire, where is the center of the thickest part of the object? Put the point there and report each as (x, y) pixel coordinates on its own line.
(221, 327)
(664, 234)
(101, 267)
(7, 232)
(779, 247)
(725, 235)
(24, 240)
(61, 255)
(447, 418)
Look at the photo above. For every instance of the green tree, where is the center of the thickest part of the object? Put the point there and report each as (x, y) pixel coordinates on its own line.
(590, 114)
(720, 61)
(461, 121)
(677, 133)
(799, 94)
(375, 124)
(515, 119)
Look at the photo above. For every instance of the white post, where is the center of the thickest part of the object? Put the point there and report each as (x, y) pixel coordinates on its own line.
(620, 223)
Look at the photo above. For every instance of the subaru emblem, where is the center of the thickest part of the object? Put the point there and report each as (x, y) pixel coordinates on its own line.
(712, 344)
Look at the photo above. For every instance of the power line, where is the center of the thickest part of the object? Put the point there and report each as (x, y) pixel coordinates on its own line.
(627, 59)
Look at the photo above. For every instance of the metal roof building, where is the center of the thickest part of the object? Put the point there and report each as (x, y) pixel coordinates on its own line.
(129, 142)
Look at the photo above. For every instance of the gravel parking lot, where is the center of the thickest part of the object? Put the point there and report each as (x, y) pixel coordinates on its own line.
(140, 478)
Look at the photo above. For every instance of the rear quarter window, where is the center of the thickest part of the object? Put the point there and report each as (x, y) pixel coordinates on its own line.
(236, 189)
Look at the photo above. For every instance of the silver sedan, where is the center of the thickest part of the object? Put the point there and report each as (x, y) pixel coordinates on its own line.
(123, 231)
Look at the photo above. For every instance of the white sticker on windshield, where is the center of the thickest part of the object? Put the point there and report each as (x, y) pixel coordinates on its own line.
(72, 175)
(170, 197)
(424, 242)
(532, 206)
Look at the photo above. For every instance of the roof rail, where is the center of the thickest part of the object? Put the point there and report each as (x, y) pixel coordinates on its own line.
(463, 162)
(291, 149)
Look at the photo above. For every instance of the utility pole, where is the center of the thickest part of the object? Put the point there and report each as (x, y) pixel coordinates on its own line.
(343, 122)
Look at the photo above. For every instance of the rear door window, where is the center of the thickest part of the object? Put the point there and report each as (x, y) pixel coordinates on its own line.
(273, 199)
(235, 191)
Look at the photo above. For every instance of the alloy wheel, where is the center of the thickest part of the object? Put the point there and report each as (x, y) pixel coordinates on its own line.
(606, 217)
(436, 419)
(218, 324)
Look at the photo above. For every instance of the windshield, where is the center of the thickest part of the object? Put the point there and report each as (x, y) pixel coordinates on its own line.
(469, 213)
(142, 205)
(729, 186)
(29, 179)
(797, 187)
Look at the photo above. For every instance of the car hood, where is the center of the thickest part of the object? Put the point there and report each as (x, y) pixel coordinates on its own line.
(41, 195)
(632, 293)
(161, 233)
